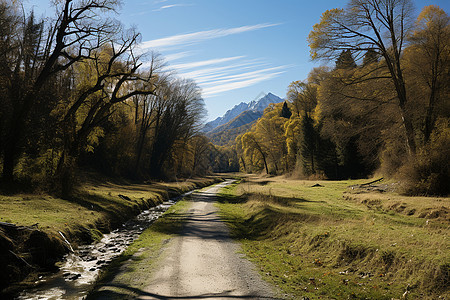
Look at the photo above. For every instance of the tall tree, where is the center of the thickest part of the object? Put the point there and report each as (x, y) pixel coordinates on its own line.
(109, 78)
(178, 115)
(370, 57)
(431, 56)
(345, 60)
(370, 24)
(72, 37)
(308, 145)
(254, 148)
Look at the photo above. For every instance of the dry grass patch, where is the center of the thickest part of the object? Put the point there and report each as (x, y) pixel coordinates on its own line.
(314, 241)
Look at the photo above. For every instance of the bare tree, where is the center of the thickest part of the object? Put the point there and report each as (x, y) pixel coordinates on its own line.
(74, 35)
(376, 25)
(178, 115)
(113, 78)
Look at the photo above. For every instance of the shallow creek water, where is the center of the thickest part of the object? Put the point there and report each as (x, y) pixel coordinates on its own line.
(79, 270)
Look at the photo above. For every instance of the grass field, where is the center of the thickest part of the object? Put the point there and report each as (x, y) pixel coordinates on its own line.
(335, 242)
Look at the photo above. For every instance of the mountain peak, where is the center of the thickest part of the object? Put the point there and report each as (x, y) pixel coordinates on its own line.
(255, 105)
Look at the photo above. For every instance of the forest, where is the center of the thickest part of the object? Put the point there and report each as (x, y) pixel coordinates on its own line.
(383, 108)
(77, 93)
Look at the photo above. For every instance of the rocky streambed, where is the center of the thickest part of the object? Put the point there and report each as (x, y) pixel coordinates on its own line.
(79, 270)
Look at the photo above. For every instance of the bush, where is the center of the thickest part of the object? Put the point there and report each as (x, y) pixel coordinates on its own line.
(429, 172)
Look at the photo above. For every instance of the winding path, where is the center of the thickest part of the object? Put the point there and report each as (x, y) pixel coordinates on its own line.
(203, 262)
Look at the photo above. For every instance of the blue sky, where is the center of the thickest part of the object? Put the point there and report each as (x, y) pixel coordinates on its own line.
(233, 49)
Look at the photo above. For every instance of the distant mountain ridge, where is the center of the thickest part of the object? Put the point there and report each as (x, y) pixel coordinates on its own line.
(255, 106)
(223, 130)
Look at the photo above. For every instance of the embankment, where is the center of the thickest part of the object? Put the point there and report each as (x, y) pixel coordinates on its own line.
(36, 230)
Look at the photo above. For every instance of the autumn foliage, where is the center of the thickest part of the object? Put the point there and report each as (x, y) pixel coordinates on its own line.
(382, 108)
(75, 93)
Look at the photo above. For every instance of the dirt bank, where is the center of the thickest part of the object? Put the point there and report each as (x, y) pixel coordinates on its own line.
(37, 230)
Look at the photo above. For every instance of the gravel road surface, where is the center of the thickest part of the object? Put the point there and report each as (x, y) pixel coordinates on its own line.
(203, 262)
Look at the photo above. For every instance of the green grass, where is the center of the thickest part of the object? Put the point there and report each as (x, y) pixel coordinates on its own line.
(127, 276)
(96, 206)
(319, 242)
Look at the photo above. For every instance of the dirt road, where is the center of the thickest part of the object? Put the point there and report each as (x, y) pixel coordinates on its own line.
(203, 262)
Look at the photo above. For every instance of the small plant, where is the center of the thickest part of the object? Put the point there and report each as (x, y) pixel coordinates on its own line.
(388, 258)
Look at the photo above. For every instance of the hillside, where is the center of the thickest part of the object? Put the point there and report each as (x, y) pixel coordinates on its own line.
(223, 130)
(256, 105)
(226, 134)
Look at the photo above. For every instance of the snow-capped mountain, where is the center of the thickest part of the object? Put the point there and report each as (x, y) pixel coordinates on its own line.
(255, 105)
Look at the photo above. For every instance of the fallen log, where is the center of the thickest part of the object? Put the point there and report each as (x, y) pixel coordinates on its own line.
(369, 183)
(6, 225)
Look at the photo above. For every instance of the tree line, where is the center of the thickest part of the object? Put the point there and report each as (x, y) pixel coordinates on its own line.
(384, 107)
(74, 91)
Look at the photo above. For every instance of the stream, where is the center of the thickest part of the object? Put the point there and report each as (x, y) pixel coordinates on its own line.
(79, 270)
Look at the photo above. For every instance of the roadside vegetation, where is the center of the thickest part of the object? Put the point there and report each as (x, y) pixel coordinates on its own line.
(33, 225)
(341, 240)
(127, 276)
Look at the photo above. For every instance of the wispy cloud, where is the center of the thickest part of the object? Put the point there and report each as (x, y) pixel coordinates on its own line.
(217, 89)
(178, 55)
(203, 63)
(214, 73)
(215, 79)
(200, 36)
(171, 6)
(217, 75)
(244, 76)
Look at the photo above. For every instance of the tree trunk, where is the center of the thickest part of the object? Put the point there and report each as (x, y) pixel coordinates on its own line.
(9, 158)
(265, 163)
(63, 175)
(410, 136)
(243, 163)
(429, 118)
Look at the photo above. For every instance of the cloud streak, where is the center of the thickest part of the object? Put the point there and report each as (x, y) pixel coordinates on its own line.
(170, 6)
(215, 79)
(181, 40)
(203, 63)
(217, 75)
(179, 55)
(217, 89)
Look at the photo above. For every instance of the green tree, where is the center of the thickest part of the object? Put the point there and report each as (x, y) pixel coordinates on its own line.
(345, 60)
(429, 56)
(285, 111)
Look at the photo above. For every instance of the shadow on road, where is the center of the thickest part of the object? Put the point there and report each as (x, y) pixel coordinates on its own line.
(140, 294)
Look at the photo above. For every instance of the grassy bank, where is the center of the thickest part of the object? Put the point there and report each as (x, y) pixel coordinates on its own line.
(334, 242)
(97, 207)
(126, 277)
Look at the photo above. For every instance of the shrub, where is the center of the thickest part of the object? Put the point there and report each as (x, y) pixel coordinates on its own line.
(429, 172)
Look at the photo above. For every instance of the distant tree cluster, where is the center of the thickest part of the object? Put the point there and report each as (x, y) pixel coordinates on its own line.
(73, 91)
(383, 107)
